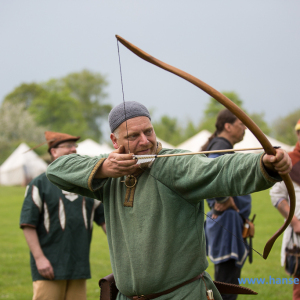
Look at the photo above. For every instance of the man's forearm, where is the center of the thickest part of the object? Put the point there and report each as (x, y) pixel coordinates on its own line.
(284, 209)
(33, 242)
(43, 265)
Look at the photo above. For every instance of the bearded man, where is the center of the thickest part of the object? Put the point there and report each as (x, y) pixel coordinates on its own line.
(154, 218)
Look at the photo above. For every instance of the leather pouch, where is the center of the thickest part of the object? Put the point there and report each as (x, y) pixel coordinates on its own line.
(248, 230)
(109, 290)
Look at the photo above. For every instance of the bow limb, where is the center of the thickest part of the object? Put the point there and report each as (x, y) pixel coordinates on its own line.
(240, 115)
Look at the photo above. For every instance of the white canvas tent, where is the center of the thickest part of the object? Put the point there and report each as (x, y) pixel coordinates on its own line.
(194, 143)
(250, 141)
(197, 141)
(92, 148)
(20, 168)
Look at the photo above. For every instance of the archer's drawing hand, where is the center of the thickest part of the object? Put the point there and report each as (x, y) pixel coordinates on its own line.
(117, 164)
(224, 206)
(280, 163)
(44, 267)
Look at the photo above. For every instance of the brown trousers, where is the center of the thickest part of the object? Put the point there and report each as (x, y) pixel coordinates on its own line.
(59, 289)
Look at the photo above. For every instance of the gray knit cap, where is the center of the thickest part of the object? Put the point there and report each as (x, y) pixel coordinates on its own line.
(133, 109)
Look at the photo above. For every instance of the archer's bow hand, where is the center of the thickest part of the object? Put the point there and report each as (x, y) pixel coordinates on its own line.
(280, 163)
(117, 164)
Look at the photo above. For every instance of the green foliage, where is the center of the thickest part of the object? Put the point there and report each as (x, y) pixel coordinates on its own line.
(61, 111)
(24, 94)
(259, 121)
(214, 107)
(284, 128)
(88, 89)
(17, 125)
(168, 130)
(72, 104)
(190, 130)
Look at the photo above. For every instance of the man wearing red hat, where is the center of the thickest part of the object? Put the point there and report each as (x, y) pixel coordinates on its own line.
(291, 237)
(58, 229)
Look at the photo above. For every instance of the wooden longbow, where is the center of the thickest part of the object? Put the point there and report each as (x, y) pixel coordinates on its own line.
(249, 123)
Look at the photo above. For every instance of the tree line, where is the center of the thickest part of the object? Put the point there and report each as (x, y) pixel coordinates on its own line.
(172, 131)
(77, 104)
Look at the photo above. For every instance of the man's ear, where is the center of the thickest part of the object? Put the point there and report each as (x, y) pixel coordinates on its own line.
(53, 153)
(114, 141)
(52, 150)
(227, 127)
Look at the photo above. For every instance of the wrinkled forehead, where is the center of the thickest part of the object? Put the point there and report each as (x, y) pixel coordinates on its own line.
(136, 124)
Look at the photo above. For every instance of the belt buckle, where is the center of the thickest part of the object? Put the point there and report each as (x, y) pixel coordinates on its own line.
(141, 297)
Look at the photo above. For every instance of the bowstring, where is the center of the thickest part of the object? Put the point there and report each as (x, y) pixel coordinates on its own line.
(123, 92)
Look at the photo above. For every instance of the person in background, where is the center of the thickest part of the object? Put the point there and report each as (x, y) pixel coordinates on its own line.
(57, 226)
(280, 199)
(154, 212)
(226, 248)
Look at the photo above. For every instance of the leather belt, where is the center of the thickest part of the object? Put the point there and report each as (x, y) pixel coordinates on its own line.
(156, 295)
(109, 290)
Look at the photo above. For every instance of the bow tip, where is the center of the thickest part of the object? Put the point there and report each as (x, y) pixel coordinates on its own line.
(267, 249)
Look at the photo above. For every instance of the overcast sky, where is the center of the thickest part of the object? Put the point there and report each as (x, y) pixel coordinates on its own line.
(250, 47)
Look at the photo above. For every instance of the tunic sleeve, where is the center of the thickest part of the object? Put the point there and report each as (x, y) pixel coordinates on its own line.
(32, 206)
(75, 173)
(197, 177)
(278, 193)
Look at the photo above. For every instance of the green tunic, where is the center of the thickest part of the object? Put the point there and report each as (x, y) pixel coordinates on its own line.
(64, 224)
(158, 242)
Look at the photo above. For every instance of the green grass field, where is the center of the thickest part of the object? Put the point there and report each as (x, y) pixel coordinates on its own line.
(15, 278)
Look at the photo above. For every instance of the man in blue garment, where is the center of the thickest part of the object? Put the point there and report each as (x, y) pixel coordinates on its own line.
(225, 248)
